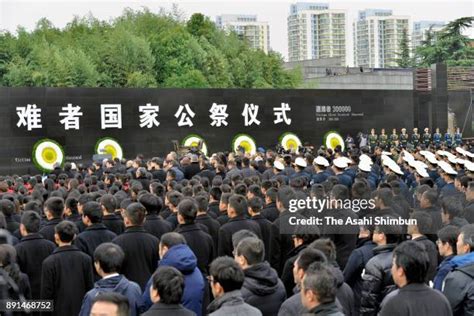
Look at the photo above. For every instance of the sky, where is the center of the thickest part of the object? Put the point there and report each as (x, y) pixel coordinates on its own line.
(26, 13)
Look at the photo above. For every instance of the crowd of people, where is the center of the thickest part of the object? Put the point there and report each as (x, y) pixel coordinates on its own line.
(194, 235)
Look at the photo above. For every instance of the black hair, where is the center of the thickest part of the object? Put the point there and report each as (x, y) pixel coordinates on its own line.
(32, 221)
(431, 196)
(135, 212)
(256, 204)
(202, 202)
(66, 231)
(55, 205)
(340, 192)
(115, 298)
(93, 212)
(309, 256)
(320, 280)
(152, 203)
(109, 202)
(285, 195)
(452, 206)
(272, 194)
(7, 207)
(449, 234)
(252, 249)
(392, 232)
(174, 197)
(423, 221)
(188, 208)
(169, 283)
(172, 239)
(326, 246)
(226, 272)
(109, 256)
(385, 195)
(239, 204)
(412, 257)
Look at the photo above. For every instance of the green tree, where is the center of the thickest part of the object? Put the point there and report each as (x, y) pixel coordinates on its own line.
(404, 59)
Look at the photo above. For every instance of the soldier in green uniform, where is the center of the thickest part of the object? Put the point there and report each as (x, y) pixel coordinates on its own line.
(437, 138)
(427, 137)
(415, 138)
(372, 139)
(393, 139)
(404, 138)
(383, 139)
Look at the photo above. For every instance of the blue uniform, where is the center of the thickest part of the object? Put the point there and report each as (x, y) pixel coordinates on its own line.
(437, 139)
(448, 139)
(458, 139)
(448, 190)
(344, 179)
(319, 177)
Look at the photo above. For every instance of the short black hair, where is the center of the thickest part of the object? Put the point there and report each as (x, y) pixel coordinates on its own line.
(308, 256)
(468, 235)
(285, 195)
(55, 205)
(385, 195)
(256, 204)
(66, 231)
(240, 235)
(393, 233)
(340, 192)
(216, 193)
(452, 206)
(152, 203)
(320, 280)
(32, 221)
(93, 212)
(109, 202)
(71, 203)
(238, 203)
(109, 256)
(449, 234)
(424, 222)
(431, 196)
(115, 298)
(7, 207)
(272, 194)
(174, 197)
(135, 212)
(326, 246)
(169, 283)
(172, 239)
(226, 272)
(202, 202)
(225, 197)
(188, 208)
(252, 249)
(413, 258)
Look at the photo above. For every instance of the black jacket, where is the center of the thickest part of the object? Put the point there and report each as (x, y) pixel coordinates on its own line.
(160, 309)
(377, 279)
(141, 254)
(432, 251)
(468, 213)
(232, 226)
(212, 227)
(114, 223)
(344, 293)
(327, 309)
(201, 244)
(30, 254)
(265, 228)
(92, 237)
(191, 170)
(156, 226)
(213, 207)
(436, 220)
(415, 300)
(66, 277)
(270, 212)
(287, 273)
(459, 289)
(263, 289)
(47, 231)
(12, 224)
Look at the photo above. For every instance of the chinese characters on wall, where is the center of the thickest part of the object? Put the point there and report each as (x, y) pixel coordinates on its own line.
(29, 116)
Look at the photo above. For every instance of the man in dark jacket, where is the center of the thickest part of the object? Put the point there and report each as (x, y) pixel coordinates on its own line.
(108, 259)
(452, 212)
(203, 218)
(175, 253)
(377, 278)
(418, 233)
(200, 242)
(96, 233)
(447, 239)
(414, 297)
(255, 205)
(459, 284)
(141, 176)
(215, 194)
(54, 208)
(8, 209)
(468, 212)
(270, 210)
(32, 250)
(356, 263)
(428, 202)
(262, 288)
(167, 292)
(154, 224)
(226, 279)
(193, 168)
(236, 212)
(67, 273)
(111, 220)
(140, 247)
(318, 291)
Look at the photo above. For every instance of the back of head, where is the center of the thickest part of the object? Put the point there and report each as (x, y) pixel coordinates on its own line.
(413, 258)
(55, 205)
(110, 298)
(467, 232)
(135, 213)
(169, 283)
(238, 203)
(202, 202)
(187, 208)
(309, 256)
(423, 222)
(66, 231)
(385, 195)
(285, 195)
(109, 202)
(93, 212)
(241, 234)
(320, 280)
(252, 249)
(110, 257)
(152, 203)
(326, 246)
(227, 273)
(7, 207)
(172, 239)
(31, 221)
(452, 206)
(340, 192)
(256, 204)
(449, 235)
(392, 233)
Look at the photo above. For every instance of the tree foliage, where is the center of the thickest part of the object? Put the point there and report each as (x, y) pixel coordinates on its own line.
(404, 59)
(138, 49)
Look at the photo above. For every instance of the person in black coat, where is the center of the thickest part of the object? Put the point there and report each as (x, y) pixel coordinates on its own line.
(205, 219)
(142, 178)
(8, 209)
(67, 273)
(200, 242)
(96, 233)
(236, 211)
(10, 272)
(154, 224)
(111, 220)
(166, 293)
(270, 210)
(171, 201)
(157, 171)
(54, 208)
(140, 247)
(262, 288)
(32, 250)
(193, 168)
(254, 209)
(414, 298)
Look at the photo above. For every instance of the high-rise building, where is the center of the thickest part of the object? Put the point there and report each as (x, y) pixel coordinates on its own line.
(315, 31)
(377, 35)
(421, 28)
(256, 33)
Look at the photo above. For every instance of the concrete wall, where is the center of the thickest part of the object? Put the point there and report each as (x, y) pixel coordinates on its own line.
(385, 80)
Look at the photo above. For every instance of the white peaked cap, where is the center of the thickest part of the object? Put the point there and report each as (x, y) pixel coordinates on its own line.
(365, 166)
(364, 157)
(387, 153)
(278, 165)
(422, 172)
(321, 161)
(432, 159)
(469, 165)
(447, 167)
(340, 162)
(301, 162)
